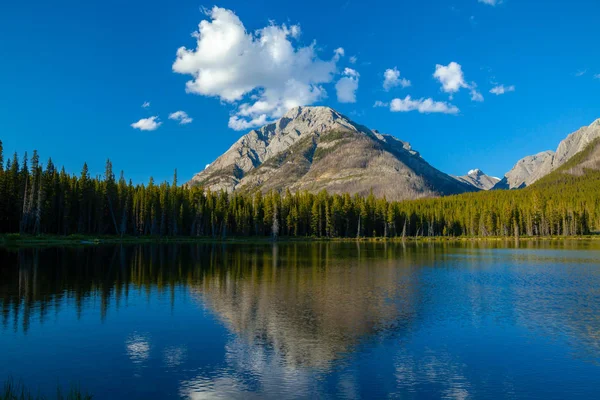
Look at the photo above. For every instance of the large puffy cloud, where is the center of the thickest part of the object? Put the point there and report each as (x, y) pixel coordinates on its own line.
(265, 70)
(424, 106)
(391, 78)
(452, 78)
(147, 124)
(347, 85)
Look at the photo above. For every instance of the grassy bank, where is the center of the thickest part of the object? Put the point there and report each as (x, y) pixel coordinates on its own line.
(17, 240)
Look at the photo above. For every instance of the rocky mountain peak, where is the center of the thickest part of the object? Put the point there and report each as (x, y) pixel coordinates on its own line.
(478, 179)
(315, 148)
(314, 119)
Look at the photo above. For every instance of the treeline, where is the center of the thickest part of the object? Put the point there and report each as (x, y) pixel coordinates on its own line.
(37, 199)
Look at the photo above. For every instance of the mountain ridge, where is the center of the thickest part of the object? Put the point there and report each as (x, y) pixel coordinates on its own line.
(531, 168)
(316, 148)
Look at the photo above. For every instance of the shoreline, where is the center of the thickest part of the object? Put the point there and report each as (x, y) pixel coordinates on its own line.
(17, 240)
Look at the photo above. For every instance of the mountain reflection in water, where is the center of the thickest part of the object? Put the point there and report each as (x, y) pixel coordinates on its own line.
(308, 319)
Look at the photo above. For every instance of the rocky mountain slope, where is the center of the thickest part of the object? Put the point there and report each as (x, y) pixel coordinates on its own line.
(315, 148)
(478, 179)
(583, 164)
(532, 168)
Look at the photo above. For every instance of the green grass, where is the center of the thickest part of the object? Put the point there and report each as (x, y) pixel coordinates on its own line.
(16, 240)
(18, 391)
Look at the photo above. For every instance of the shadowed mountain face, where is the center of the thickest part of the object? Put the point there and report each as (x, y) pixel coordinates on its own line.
(532, 168)
(316, 148)
(478, 179)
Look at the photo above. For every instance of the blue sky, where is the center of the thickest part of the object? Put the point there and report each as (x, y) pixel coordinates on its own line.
(74, 76)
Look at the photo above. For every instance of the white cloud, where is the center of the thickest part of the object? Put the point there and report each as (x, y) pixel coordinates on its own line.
(347, 85)
(353, 60)
(379, 103)
(351, 72)
(501, 89)
(147, 124)
(240, 124)
(490, 2)
(424, 106)
(181, 116)
(146, 104)
(597, 76)
(391, 78)
(339, 52)
(266, 70)
(295, 31)
(452, 79)
(475, 95)
(581, 72)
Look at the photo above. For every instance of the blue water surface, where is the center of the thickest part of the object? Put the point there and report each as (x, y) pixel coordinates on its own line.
(305, 320)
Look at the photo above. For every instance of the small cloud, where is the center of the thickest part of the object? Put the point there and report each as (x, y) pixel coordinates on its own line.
(146, 104)
(424, 106)
(452, 78)
(180, 116)
(346, 87)
(475, 95)
(147, 124)
(295, 31)
(597, 76)
(490, 2)
(501, 89)
(391, 78)
(379, 103)
(357, 113)
(581, 72)
(353, 59)
(240, 124)
(338, 53)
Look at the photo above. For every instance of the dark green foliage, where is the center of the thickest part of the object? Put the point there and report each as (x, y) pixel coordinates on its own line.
(40, 200)
(335, 135)
(18, 391)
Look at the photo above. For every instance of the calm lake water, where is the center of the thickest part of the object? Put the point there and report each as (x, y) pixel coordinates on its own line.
(320, 320)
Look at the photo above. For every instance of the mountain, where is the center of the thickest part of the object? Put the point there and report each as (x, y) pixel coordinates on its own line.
(316, 148)
(583, 168)
(527, 170)
(478, 179)
(532, 168)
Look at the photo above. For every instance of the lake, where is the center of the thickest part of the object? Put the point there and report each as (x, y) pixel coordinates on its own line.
(305, 320)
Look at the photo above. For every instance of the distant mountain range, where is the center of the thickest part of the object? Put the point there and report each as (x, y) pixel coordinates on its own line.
(478, 179)
(317, 148)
